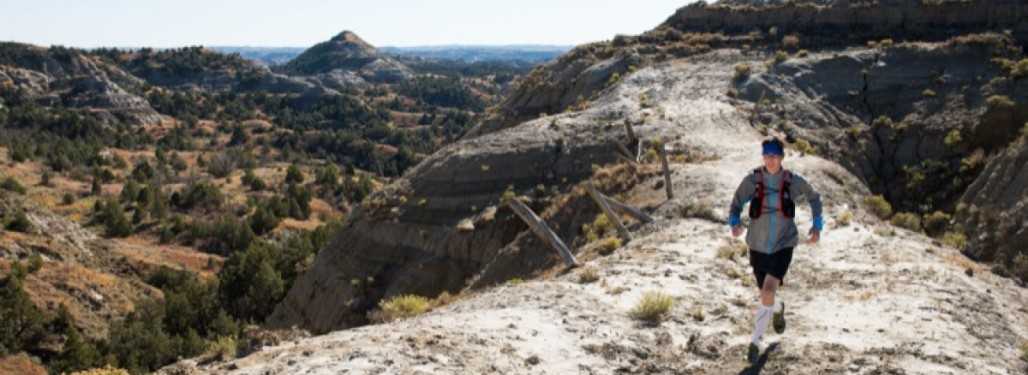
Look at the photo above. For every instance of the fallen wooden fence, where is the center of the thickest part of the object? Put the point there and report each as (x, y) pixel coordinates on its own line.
(543, 231)
(611, 216)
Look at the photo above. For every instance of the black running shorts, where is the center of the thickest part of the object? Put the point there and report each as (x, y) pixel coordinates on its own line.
(775, 264)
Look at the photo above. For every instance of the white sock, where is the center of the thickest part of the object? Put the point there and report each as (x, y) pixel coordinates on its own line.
(763, 318)
(778, 305)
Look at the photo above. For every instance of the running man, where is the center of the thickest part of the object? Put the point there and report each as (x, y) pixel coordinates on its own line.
(772, 234)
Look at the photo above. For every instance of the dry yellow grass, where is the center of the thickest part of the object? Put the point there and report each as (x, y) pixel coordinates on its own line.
(844, 219)
(608, 245)
(20, 364)
(653, 307)
(401, 307)
(102, 371)
(732, 250)
(80, 289)
(960, 260)
(588, 275)
(146, 252)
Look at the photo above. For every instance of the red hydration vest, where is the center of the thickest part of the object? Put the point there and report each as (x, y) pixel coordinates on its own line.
(786, 207)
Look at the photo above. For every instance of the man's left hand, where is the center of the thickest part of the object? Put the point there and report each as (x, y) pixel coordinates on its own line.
(815, 235)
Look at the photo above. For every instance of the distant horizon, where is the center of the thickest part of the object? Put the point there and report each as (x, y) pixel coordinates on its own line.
(448, 45)
(267, 24)
(541, 47)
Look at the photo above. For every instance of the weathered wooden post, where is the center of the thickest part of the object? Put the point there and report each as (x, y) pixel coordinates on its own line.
(623, 153)
(667, 170)
(625, 235)
(629, 131)
(543, 231)
(633, 140)
(629, 210)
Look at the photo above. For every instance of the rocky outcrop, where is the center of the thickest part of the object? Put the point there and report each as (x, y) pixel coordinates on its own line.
(61, 76)
(555, 86)
(405, 239)
(994, 211)
(199, 68)
(843, 22)
(385, 70)
(337, 79)
(909, 119)
(348, 52)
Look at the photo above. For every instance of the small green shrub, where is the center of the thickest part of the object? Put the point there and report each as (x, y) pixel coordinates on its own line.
(732, 250)
(955, 240)
(35, 263)
(701, 209)
(588, 275)
(780, 57)
(609, 244)
(854, 131)
(972, 162)
(936, 222)
(742, 71)
(803, 147)
(1000, 102)
(294, 175)
(1020, 266)
(653, 307)
(953, 138)
(882, 122)
(224, 348)
(598, 228)
(20, 223)
(10, 184)
(907, 220)
(402, 307)
(508, 194)
(252, 181)
(928, 93)
(1019, 69)
(878, 206)
(614, 79)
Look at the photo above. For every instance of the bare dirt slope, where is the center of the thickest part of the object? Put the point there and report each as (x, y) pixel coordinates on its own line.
(869, 299)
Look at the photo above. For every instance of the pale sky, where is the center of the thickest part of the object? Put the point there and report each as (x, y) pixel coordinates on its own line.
(302, 23)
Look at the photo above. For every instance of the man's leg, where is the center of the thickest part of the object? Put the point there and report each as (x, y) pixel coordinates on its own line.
(770, 294)
(768, 290)
(766, 308)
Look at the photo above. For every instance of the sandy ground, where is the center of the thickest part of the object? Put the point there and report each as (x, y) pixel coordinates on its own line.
(859, 302)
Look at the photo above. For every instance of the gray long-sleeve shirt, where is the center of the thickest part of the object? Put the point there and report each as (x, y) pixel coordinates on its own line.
(772, 231)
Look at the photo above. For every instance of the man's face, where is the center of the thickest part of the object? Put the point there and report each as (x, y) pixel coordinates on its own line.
(772, 163)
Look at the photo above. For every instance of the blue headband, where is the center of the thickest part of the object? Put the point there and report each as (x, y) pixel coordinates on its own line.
(773, 148)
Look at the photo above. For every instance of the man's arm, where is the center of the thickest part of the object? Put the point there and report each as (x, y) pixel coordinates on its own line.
(804, 189)
(743, 194)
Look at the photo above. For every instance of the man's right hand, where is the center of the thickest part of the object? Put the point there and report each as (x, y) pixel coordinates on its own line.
(737, 231)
